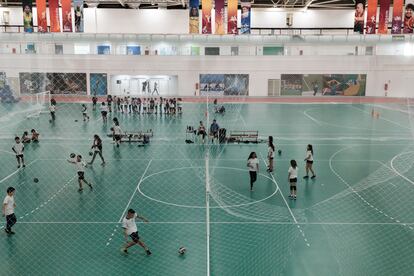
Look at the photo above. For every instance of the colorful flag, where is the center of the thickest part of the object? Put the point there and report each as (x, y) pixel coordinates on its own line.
(67, 15)
(206, 20)
(384, 16)
(41, 16)
(232, 16)
(219, 19)
(194, 16)
(27, 16)
(397, 16)
(371, 17)
(409, 18)
(245, 16)
(359, 16)
(78, 9)
(54, 16)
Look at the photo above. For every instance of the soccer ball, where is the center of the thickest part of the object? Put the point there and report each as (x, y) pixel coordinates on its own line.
(182, 250)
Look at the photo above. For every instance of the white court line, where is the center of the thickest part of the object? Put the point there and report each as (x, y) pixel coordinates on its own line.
(380, 211)
(284, 200)
(16, 171)
(396, 171)
(8, 152)
(310, 117)
(222, 222)
(381, 118)
(135, 191)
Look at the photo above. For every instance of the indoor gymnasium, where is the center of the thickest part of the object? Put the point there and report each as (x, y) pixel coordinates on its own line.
(207, 137)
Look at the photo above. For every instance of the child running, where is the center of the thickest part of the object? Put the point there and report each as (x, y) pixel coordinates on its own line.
(130, 229)
(253, 165)
(309, 162)
(97, 149)
(18, 149)
(80, 166)
(85, 113)
(270, 154)
(293, 178)
(8, 210)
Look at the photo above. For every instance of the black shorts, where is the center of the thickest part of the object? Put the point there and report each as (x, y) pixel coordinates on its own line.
(81, 175)
(293, 180)
(104, 113)
(134, 236)
(309, 162)
(19, 156)
(117, 137)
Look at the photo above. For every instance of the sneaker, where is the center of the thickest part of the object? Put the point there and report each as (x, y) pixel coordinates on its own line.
(103, 163)
(294, 197)
(313, 176)
(18, 166)
(7, 231)
(90, 186)
(80, 189)
(148, 252)
(124, 250)
(24, 166)
(11, 233)
(306, 177)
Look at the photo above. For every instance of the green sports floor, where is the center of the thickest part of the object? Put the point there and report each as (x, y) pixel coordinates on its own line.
(355, 218)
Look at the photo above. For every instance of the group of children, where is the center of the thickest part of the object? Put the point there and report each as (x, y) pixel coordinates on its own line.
(253, 165)
(134, 105)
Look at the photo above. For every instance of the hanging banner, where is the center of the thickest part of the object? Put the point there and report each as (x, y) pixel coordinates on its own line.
(54, 16)
(384, 16)
(245, 16)
(41, 16)
(232, 16)
(27, 16)
(397, 11)
(66, 15)
(194, 19)
(206, 20)
(371, 17)
(408, 18)
(359, 16)
(219, 18)
(78, 8)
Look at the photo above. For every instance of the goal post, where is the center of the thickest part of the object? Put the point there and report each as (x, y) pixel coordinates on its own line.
(39, 103)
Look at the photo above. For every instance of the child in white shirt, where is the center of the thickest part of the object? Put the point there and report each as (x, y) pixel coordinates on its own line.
(18, 149)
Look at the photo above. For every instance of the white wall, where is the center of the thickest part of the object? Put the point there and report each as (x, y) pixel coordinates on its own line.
(398, 70)
(156, 21)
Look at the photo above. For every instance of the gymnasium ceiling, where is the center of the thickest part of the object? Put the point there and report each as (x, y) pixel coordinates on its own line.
(181, 4)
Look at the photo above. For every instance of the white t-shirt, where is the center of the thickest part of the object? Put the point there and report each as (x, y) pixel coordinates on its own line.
(9, 201)
(270, 152)
(293, 173)
(253, 164)
(130, 225)
(80, 166)
(309, 156)
(117, 130)
(18, 148)
(104, 108)
(52, 108)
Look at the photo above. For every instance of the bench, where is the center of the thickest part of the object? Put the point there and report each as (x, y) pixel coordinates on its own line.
(136, 136)
(247, 136)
